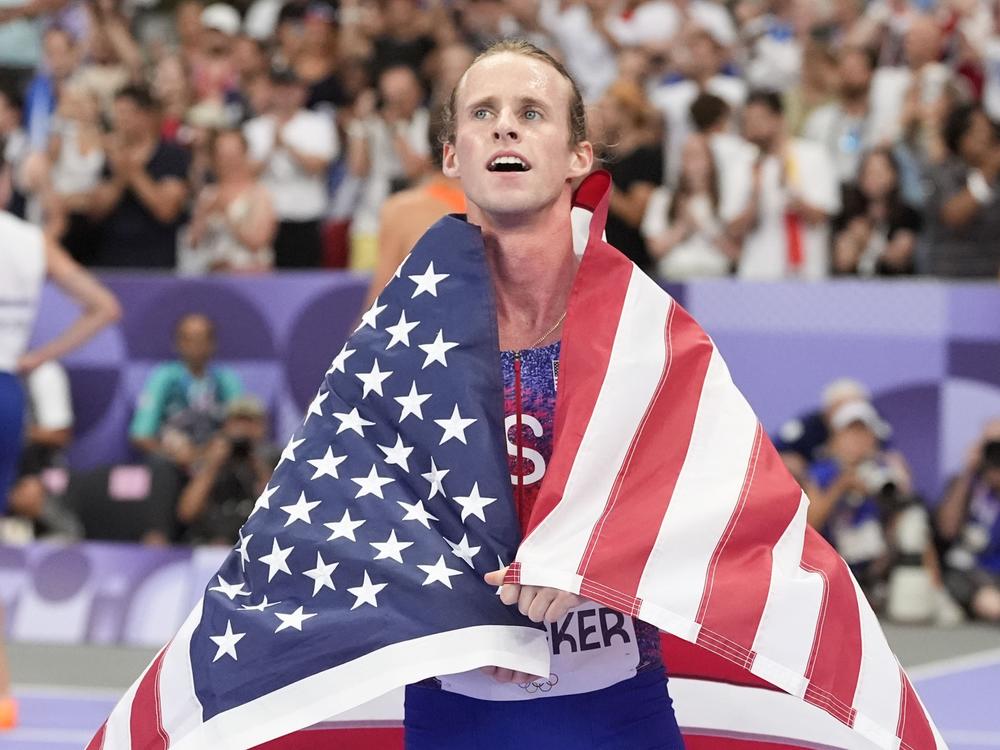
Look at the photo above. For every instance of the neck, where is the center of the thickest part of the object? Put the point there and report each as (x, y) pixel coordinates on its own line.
(855, 104)
(532, 266)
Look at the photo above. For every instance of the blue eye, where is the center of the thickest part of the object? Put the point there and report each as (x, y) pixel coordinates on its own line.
(532, 114)
(480, 114)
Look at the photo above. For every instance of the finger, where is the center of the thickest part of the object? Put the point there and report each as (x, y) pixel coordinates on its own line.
(541, 603)
(510, 593)
(491, 671)
(496, 577)
(560, 606)
(503, 675)
(525, 599)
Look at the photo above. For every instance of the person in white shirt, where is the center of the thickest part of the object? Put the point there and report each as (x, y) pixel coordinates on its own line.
(576, 28)
(388, 151)
(292, 149)
(786, 226)
(701, 57)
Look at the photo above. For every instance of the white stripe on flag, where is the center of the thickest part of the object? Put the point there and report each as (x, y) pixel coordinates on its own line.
(785, 636)
(879, 690)
(706, 494)
(180, 709)
(636, 364)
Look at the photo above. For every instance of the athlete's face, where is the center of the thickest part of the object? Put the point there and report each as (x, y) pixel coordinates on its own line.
(512, 147)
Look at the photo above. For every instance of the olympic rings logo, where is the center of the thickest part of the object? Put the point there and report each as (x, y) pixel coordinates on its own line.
(540, 686)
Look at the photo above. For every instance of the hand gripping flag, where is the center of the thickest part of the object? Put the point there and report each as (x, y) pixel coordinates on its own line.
(360, 568)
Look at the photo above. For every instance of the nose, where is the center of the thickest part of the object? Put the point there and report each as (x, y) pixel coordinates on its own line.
(505, 127)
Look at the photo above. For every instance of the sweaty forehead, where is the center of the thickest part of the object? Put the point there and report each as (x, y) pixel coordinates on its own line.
(509, 74)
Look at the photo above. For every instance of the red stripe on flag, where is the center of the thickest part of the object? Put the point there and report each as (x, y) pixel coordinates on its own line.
(98, 740)
(145, 719)
(684, 659)
(645, 483)
(742, 562)
(835, 662)
(914, 730)
(595, 305)
(710, 742)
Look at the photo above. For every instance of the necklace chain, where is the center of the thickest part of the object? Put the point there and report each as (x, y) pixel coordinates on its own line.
(549, 332)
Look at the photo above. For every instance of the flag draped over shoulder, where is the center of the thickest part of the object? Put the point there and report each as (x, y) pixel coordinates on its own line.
(360, 568)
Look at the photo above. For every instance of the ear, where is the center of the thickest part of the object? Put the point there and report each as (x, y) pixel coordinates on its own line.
(449, 161)
(581, 161)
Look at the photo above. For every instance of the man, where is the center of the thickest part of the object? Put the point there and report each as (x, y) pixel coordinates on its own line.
(28, 259)
(61, 58)
(787, 221)
(292, 148)
(141, 199)
(182, 402)
(844, 126)
(963, 208)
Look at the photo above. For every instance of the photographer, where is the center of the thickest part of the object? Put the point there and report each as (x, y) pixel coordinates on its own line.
(233, 472)
(863, 503)
(968, 519)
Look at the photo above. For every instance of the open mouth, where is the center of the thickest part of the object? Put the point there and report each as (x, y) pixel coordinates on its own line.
(508, 163)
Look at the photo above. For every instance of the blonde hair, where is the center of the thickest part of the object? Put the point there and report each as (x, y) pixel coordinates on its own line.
(577, 112)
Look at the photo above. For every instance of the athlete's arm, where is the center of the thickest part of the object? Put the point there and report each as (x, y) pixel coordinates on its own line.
(100, 308)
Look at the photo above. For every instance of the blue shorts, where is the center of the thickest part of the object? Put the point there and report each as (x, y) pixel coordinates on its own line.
(636, 714)
(11, 432)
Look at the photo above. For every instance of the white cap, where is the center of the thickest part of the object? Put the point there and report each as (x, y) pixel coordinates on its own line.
(221, 17)
(860, 411)
(844, 389)
(715, 21)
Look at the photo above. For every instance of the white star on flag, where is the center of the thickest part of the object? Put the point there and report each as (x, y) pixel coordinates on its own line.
(411, 403)
(326, 466)
(463, 551)
(435, 476)
(474, 503)
(242, 547)
(501, 565)
(368, 319)
(226, 642)
(427, 281)
(391, 548)
(344, 527)
(397, 454)
(416, 512)
(373, 379)
(293, 620)
(264, 604)
(437, 349)
(276, 560)
(230, 590)
(352, 421)
(300, 510)
(340, 360)
(316, 407)
(454, 427)
(288, 454)
(366, 592)
(401, 331)
(321, 574)
(371, 484)
(439, 573)
(264, 501)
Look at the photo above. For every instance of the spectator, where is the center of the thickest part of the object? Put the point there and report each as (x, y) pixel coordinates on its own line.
(968, 520)
(21, 27)
(799, 440)
(406, 215)
(405, 39)
(816, 87)
(292, 148)
(876, 232)
(141, 197)
(76, 155)
(963, 209)
(213, 68)
(234, 221)
(577, 27)
(112, 57)
(634, 158)
(233, 471)
(13, 150)
(685, 229)
(388, 149)
(844, 126)
(61, 57)
(316, 62)
(786, 224)
(858, 497)
(182, 403)
(172, 90)
(701, 59)
(774, 43)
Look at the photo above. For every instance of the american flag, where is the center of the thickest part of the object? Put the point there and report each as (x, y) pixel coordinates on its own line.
(360, 568)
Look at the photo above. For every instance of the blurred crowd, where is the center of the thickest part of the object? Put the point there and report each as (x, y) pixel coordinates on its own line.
(769, 139)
